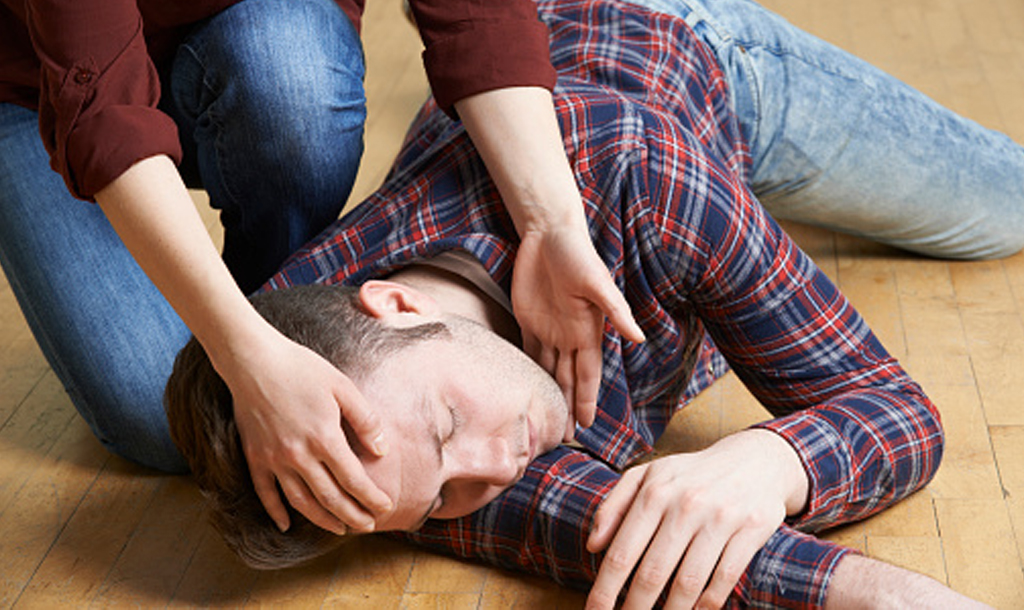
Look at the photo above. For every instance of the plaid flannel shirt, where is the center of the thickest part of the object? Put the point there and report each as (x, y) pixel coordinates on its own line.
(662, 170)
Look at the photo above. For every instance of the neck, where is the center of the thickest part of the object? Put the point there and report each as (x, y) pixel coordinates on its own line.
(458, 296)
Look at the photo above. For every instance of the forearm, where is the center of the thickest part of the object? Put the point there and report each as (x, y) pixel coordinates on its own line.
(863, 451)
(866, 433)
(151, 210)
(542, 525)
(517, 134)
(860, 582)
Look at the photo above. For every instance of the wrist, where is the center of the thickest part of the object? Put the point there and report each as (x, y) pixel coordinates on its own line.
(541, 207)
(795, 475)
(233, 343)
(794, 483)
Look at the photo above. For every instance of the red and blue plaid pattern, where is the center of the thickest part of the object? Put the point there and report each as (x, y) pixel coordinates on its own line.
(663, 173)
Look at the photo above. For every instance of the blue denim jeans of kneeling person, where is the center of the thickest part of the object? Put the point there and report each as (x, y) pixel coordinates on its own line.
(840, 144)
(269, 100)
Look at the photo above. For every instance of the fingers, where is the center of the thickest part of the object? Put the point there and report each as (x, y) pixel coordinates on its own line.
(613, 304)
(532, 346)
(707, 564)
(325, 482)
(588, 384)
(363, 420)
(613, 508)
(578, 374)
(565, 371)
(304, 499)
(317, 497)
(266, 490)
(731, 566)
(342, 484)
(694, 570)
(673, 541)
(628, 546)
(547, 358)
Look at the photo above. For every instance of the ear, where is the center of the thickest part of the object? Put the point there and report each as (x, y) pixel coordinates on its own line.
(397, 304)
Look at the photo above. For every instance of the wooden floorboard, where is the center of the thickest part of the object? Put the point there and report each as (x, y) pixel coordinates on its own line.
(79, 527)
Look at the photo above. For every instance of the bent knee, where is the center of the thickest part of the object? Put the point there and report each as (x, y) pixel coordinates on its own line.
(275, 41)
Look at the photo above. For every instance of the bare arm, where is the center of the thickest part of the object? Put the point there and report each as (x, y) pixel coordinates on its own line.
(289, 402)
(860, 582)
(561, 290)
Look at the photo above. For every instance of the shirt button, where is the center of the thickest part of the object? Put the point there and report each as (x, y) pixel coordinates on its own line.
(83, 77)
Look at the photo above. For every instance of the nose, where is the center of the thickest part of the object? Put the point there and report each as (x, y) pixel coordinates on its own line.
(491, 461)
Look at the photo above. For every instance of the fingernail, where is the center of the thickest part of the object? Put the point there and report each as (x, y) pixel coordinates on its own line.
(380, 445)
(283, 527)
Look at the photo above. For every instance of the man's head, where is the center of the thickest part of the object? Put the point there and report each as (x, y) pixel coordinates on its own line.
(464, 412)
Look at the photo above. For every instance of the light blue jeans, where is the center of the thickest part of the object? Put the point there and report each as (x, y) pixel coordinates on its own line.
(839, 144)
(268, 97)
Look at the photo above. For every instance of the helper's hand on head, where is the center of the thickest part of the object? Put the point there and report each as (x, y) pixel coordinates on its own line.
(289, 406)
(561, 293)
(289, 402)
(701, 516)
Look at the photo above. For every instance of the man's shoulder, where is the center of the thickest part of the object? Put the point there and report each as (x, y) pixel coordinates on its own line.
(627, 47)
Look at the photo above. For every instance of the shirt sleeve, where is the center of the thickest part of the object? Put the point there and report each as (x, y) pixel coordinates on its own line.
(865, 431)
(98, 91)
(472, 46)
(541, 526)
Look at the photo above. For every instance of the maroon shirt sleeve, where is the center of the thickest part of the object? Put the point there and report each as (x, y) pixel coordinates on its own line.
(472, 46)
(98, 91)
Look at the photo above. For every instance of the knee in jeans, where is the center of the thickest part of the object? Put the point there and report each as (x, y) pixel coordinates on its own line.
(1001, 245)
(281, 51)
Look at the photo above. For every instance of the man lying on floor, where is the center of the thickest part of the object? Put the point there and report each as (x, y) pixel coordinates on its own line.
(477, 466)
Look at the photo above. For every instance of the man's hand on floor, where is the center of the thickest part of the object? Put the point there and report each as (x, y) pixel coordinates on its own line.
(700, 516)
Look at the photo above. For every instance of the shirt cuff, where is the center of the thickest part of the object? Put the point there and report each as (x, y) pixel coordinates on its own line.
(826, 460)
(107, 143)
(792, 570)
(516, 55)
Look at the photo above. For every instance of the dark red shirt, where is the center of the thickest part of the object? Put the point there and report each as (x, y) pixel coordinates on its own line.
(89, 67)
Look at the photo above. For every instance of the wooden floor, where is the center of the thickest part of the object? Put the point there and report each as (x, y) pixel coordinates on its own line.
(79, 527)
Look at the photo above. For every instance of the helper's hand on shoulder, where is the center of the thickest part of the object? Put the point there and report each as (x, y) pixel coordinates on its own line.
(289, 407)
(700, 516)
(561, 293)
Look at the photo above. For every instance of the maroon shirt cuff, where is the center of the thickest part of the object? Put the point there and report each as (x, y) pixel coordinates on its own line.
(107, 143)
(515, 55)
